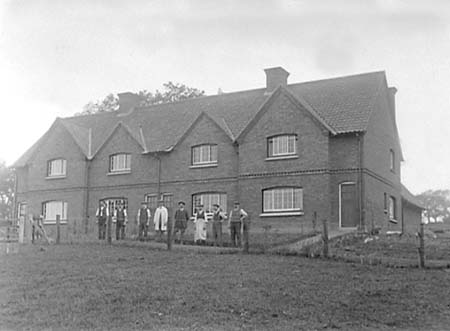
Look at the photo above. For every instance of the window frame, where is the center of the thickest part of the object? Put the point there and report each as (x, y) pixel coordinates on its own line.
(63, 215)
(270, 143)
(281, 195)
(63, 174)
(392, 162)
(392, 209)
(211, 161)
(124, 170)
(223, 197)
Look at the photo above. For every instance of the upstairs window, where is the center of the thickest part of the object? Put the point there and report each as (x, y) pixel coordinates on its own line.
(282, 199)
(120, 163)
(204, 154)
(52, 208)
(282, 145)
(392, 160)
(56, 168)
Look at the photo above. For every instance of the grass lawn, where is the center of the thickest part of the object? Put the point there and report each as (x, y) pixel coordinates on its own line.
(95, 286)
(394, 246)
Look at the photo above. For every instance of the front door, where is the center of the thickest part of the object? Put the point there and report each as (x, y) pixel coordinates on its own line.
(349, 216)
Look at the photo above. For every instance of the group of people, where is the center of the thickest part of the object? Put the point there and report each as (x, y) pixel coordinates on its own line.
(238, 222)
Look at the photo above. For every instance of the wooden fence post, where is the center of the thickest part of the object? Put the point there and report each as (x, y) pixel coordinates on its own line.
(325, 239)
(246, 234)
(58, 229)
(421, 247)
(169, 234)
(314, 221)
(109, 231)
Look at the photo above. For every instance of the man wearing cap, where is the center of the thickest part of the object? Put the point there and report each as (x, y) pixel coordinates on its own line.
(237, 216)
(143, 217)
(181, 219)
(200, 225)
(102, 214)
(160, 218)
(121, 218)
(218, 217)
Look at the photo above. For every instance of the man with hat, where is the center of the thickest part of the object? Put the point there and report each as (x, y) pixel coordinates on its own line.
(160, 219)
(181, 219)
(102, 213)
(237, 216)
(218, 217)
(121, 218)
(200, 225)
(143, 217)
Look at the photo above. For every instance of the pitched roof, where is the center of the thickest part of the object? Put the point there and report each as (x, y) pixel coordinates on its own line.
(343, 104)
(411, 198)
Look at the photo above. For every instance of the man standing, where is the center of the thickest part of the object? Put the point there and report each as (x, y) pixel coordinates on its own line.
(160, 218)
(181, 219)
(218, 217)
(200, 226)
(143, 217)
(121, 217)
(102, 215)
(237, 216)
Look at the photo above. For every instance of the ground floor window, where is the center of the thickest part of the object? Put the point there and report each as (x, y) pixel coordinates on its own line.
(208, 200)
(112, 203)
(282, 199)
(52, 208)
(392, 209)
(152, 200)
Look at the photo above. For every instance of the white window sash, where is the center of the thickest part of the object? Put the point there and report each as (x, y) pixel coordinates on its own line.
(120, 162)
(282, 145)
(57, 167)
(53, 208)
(204, 154)
(283, 200)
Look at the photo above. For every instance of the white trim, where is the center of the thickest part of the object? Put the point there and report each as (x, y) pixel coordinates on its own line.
(340, 203)
(269, 214)
(56, 177)
(287, 157)
(53, 222)
(204, 165)
(121, 172)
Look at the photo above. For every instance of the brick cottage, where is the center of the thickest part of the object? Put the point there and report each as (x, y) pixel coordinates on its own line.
(287, 152)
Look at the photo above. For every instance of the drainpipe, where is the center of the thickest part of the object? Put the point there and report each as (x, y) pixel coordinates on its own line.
(362, 210)
(86, 195)
(238, 184)
(14, 209)
(158, 156)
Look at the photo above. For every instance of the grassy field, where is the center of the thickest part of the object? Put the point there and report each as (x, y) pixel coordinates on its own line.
(437, 245)
(95, 286)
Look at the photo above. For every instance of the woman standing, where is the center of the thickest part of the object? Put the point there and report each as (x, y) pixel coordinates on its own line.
(200, 226)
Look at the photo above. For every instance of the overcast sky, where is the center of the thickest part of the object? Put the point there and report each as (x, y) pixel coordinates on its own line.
(55, 56)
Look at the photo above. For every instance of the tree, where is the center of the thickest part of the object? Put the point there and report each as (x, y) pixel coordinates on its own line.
(437, 204)
(172, 92)
(7, 181)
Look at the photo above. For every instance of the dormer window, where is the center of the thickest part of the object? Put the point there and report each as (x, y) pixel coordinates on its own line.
(282, 146)
(204, 155)
(120, 163)
(56, 168)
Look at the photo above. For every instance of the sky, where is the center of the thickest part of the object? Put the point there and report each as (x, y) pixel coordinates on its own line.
(56, 56)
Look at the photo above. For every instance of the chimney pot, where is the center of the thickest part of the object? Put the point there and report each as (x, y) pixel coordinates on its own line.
(275, 77)
(128, 100)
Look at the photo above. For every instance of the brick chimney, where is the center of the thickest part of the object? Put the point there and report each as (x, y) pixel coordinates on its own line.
(127, 101)
(391, 99)
(275, 77)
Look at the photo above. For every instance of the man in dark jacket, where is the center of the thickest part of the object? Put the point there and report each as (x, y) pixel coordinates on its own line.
(102, 215)
(181, 219)
(143, 217)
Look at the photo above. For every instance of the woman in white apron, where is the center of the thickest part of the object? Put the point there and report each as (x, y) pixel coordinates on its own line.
(200, 226)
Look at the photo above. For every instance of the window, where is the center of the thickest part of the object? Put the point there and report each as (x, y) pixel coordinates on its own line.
(120, 163)
(283, 145)
(392, 209)
(283, 199)
(52, 208)
(152, 200)
(392, 160)
(208, 200)
(204, 154)
(112, 203)
(56, 168)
